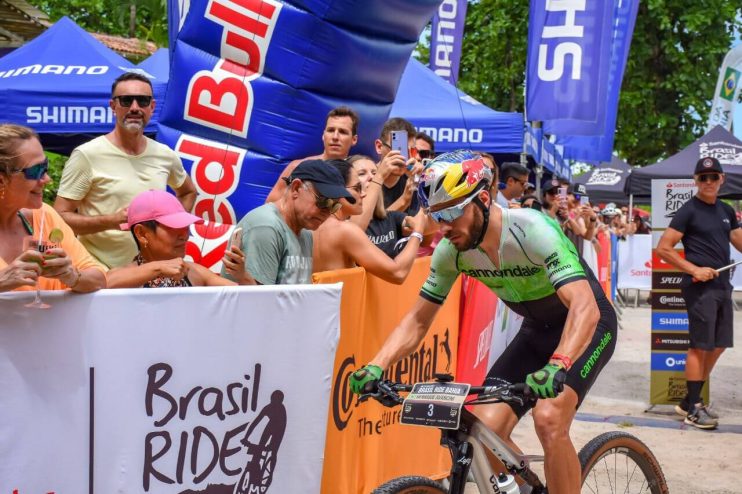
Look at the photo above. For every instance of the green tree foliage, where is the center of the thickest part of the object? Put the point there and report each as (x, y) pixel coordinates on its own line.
(670, 77)
(114, 16)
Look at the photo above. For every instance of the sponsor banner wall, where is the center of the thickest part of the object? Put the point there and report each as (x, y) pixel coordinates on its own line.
(635, 262)
(366, 444)
(669, 317)
(197, 390)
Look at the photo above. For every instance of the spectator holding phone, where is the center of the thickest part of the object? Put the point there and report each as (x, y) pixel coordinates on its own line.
(159, 225)
(398, 186)
(340, 244)
(277, 237)
(23, 176)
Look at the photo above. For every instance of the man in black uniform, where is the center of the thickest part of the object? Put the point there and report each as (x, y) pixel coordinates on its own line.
(706, 226)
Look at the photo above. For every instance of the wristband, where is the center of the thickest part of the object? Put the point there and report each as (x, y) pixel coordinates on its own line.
(566, 361)
(77, 279)
(417, 235)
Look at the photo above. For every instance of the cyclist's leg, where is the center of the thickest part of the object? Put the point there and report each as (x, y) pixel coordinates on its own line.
(553, 419)
(528, 352)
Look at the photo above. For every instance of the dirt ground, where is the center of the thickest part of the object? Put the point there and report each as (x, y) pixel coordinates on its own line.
(692, 460)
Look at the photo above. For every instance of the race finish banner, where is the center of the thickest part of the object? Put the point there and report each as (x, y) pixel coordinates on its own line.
(727, 90)
(568, 60)
(251, 82)
(669, 330)
(446, 37)
(197, 390)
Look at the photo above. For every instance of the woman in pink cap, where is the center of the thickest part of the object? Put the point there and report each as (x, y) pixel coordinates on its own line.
(159, 225)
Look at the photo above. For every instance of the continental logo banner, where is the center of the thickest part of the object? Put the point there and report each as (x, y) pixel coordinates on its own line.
(667, 301)
(366, 445)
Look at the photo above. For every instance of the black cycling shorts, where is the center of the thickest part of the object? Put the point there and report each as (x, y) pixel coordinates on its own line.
(535, 343)
(710, 316)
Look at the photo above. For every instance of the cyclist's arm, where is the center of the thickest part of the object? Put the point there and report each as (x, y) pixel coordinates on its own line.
(407, 336)
(582, 318)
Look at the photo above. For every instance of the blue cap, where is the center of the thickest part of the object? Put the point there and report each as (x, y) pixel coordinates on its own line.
(325, 177)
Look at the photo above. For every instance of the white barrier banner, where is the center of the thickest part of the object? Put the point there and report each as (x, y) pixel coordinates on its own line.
(737, 270)
(635, 263)
(504, 328)
(192, 390)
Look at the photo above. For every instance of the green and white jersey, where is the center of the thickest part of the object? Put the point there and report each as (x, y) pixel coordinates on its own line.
(536, 258)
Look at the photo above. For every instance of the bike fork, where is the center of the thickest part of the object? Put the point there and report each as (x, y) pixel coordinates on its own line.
(462, 456)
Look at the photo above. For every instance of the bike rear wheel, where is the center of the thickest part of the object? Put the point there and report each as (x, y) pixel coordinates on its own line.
(619, 462)
(410, 485)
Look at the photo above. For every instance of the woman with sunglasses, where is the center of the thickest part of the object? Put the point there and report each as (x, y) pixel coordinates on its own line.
(340, 244)
(23, 176)
(160, 225)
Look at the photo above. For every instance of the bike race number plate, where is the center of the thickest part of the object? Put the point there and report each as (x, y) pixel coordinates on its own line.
(435, 405)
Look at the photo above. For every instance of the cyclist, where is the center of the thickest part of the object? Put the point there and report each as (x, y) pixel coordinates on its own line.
(569, 328)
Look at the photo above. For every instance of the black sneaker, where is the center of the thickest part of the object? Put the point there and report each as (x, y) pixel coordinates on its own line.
(682, 409)
(700, 418)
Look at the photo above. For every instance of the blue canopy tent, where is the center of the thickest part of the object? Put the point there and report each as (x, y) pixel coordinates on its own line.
(59, 84)
(452, 118)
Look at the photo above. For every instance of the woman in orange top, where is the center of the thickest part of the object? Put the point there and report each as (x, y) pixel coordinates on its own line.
(23, 177)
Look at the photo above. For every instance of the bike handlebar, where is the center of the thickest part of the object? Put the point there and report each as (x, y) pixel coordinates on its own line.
(387, 393)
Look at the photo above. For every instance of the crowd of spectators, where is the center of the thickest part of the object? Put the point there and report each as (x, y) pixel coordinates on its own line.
(120, 228)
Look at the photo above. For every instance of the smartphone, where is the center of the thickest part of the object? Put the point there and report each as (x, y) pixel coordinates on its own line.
(399, 143)
(563, 192)
(235, 239)
(584, 200)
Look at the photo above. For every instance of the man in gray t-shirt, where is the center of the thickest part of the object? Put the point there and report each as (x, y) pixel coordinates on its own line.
(276, 236)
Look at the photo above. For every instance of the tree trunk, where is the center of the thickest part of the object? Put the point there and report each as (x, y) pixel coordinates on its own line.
(132, 20)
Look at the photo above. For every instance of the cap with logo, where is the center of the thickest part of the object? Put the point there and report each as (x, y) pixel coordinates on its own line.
(326, 179)
(578, 189)
(550, 184)
(708, 165)
(161, 207)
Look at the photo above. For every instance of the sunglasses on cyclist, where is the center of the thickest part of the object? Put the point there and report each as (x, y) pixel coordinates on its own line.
(126, 100)
(37, 171)
(451, 214)
(709, 177)
(323, 202)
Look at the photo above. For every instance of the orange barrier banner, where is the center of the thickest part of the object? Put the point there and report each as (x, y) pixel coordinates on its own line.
(366, 445)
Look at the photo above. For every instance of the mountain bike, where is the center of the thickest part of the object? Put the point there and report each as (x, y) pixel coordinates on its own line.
(612, 462)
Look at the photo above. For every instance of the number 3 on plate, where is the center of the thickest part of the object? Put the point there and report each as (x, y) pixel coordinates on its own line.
(430, 410)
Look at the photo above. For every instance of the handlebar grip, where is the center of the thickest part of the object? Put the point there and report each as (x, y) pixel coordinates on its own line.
(521, 388)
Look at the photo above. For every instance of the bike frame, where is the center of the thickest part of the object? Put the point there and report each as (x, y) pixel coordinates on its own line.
(468, 446)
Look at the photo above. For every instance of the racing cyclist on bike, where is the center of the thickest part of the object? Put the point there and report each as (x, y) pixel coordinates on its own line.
(569, 328)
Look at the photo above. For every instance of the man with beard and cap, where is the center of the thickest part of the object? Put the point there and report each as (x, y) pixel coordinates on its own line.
(102, 176)
(569, 327)
(277, 236)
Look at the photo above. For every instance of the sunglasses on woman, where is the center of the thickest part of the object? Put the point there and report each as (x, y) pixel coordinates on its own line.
(126, 100)
(323, 202)
(451, 214)
(709, 177)
(35, 172)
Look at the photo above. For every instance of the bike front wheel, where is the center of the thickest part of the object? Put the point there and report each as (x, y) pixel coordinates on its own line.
(619, 462)
(410, 485)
